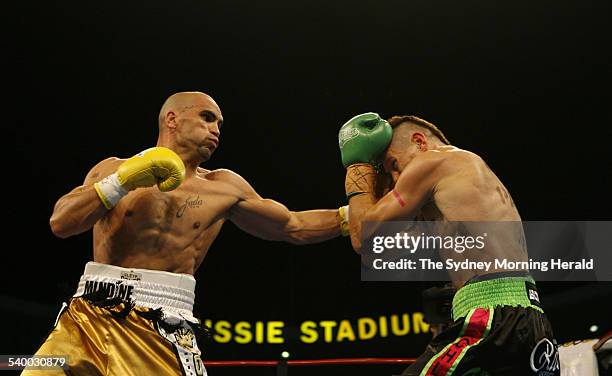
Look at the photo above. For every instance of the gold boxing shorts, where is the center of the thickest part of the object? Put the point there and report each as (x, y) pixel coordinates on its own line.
(127, 322)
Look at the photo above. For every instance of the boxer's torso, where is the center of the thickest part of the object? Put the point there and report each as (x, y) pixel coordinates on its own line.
(169, 231)
(470, 192)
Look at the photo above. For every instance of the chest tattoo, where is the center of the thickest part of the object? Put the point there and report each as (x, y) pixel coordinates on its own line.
(190, 203)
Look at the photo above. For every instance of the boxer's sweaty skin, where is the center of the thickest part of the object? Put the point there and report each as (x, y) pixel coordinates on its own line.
(482, 198)
(169, 231)
(173, 231)
(449, 184)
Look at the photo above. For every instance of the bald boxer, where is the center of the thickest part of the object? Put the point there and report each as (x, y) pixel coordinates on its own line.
(154, 217)
(499, 327)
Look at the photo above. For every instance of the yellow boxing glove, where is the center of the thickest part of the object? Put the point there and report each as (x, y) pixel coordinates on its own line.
(155, 166)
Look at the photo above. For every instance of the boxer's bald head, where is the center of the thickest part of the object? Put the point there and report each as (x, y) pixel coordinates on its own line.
(190, 123)
(182, 101)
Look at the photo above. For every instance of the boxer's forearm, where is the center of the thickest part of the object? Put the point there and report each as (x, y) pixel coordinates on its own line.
(76, 212)
(271, 220)
(360, 190)
(313, 226)
(359, 207)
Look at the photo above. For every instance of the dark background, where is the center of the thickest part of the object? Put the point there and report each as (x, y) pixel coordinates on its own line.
(523, 84)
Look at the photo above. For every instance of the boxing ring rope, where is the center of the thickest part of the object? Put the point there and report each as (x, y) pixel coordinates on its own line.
(282, 365)
(307, 362)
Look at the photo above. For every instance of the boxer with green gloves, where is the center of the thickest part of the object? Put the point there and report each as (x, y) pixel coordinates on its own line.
(432, 180)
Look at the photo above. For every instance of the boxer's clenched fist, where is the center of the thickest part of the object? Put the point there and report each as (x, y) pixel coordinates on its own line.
(155, 166)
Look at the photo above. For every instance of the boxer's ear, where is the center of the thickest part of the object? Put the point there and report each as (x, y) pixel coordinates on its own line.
(420, 140)
(171, 120)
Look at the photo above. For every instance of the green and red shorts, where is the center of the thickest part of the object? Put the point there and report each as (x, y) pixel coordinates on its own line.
(499, 328)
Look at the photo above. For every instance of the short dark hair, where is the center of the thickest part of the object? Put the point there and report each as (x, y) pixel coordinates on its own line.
(396, 120)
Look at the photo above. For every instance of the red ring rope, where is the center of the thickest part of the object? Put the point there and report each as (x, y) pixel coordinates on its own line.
(311, 362)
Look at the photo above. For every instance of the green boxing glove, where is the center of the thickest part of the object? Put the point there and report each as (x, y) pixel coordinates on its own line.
(363, 139)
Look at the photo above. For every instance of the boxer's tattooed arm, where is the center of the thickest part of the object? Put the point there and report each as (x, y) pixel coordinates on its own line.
(360, 181)
(360, 178)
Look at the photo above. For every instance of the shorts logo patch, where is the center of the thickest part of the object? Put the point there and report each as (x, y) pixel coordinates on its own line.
(544, 358)
(184, 338)
(113, 289)
(186, 348)
(131, 276)
(532, 294)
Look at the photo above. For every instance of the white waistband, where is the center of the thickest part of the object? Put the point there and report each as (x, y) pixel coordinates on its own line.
(146, 288)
